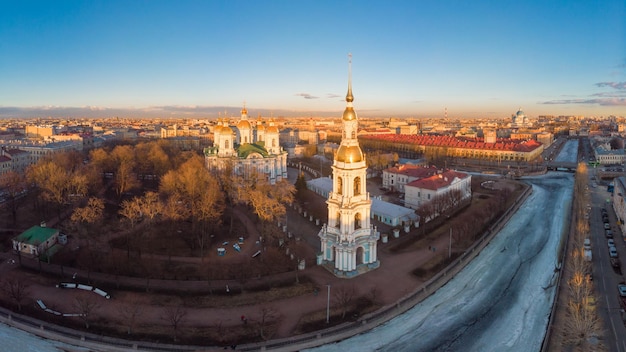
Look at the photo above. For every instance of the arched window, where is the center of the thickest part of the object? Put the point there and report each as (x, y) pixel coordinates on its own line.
(357, 221)
(226, 145)
(339, 185)
(273, 142)
(338, 224)
(357, 186)
(353, 134)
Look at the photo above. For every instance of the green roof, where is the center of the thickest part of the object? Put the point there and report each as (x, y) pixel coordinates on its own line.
(36, 235)
(247, 149)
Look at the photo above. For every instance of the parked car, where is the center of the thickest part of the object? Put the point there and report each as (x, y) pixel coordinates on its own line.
(608, 233)
(610, 242)
(587, 243)
(617, 266)
(607, 226)
(613, 252)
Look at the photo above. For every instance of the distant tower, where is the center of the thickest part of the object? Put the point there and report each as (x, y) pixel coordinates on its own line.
(490, 135)
(349, 242)
(445, 113)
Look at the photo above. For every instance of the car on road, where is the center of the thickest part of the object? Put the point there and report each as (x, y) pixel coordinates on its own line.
(607, 226)
(621, 288)
(587, 244)
(608, 233)
(610, 242)
(613, 252)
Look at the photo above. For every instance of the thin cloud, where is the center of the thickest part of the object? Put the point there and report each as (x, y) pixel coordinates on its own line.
(615, 85)
(610, 94)
(333, 96)
(306, 96)
(602, 102)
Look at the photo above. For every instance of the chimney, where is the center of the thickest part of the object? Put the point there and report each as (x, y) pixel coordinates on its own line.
(42, 224)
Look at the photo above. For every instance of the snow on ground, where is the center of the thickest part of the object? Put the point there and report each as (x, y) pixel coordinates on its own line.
(501, 301)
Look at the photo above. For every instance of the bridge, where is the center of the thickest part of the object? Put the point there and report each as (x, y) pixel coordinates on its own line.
(561, 166)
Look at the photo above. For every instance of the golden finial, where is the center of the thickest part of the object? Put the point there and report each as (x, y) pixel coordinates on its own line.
(349, 97)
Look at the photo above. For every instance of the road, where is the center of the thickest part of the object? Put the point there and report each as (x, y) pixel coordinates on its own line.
(605, 278)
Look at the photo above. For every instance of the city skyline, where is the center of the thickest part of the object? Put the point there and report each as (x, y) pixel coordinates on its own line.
(283, 58)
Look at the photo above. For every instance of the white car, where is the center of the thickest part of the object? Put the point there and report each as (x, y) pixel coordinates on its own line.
(610, 242)
(613, 252)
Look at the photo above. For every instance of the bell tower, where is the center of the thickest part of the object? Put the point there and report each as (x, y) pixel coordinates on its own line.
(348, 241)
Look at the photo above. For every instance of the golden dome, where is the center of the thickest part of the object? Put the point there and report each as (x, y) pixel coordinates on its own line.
(271, 129)
(260, 128)
(243, 124)
(351, 154)
(349, 114)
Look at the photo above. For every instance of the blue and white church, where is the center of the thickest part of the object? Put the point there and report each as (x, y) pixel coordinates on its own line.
(349, 241)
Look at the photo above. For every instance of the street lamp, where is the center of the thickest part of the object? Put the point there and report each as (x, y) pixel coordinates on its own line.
(328, 305)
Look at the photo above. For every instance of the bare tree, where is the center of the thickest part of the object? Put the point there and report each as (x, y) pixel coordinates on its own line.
(267, 315)
(343, 297)
(130, 313)
(174, 315)
(17, 288)
(124, 161)
(86, 305)
(131, 210)
(14, 184)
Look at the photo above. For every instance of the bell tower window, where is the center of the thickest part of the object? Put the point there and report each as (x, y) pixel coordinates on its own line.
(357, 186)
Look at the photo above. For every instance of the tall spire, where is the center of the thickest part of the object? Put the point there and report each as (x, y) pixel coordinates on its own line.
(349, 97)
(349, 114)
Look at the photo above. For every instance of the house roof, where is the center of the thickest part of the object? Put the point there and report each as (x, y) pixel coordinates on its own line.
(36, 235)
(412, 170)
(438, 181)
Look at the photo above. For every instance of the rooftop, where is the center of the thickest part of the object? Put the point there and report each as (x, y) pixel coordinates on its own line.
(36, 235)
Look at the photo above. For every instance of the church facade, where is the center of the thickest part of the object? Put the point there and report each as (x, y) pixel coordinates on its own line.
(247, 149)
(349, 242)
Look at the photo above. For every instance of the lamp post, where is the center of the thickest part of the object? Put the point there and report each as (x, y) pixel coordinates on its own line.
(450, 245)
(328, 305)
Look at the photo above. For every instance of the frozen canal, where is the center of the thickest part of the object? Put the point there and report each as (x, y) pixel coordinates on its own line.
(499, 302)
(569, 152)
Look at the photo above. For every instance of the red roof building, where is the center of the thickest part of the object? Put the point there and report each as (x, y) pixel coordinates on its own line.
(504, 149)
(446, 188)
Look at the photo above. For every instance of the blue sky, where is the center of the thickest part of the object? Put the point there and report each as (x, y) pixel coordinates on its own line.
(410, 58)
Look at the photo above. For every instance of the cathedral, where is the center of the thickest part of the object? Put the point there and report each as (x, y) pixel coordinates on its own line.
(248, 149)
(349, 241)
